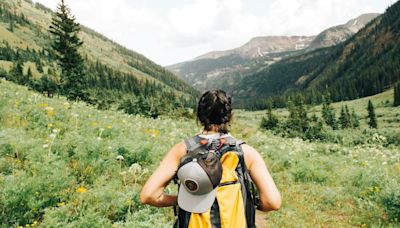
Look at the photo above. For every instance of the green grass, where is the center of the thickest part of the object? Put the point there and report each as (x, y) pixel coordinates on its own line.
(58, 167)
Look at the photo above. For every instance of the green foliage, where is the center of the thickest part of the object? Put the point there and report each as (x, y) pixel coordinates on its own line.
(396, 95)
(354, 120)
(45, 85)
(345, 120)
(390, 199)
(59, 163)
(372, 122)
(66, 44)
(310, 173)
(141, 106)
(328, 114)
(271, 122)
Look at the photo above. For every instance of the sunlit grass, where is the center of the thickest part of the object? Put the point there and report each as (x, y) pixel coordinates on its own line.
(63, 163)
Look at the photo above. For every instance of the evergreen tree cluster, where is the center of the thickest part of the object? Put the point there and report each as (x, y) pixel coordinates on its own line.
(299, 124)
(271, 122)
(10, 16)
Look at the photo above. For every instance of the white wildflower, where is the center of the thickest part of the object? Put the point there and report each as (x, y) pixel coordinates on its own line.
(120, 158)
(135, 168)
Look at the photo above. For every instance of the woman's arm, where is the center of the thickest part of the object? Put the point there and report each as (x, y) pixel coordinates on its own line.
(153, 191)
(270, 198)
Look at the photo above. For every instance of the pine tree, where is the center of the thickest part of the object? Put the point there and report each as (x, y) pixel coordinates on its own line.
(66, 45)
(371, 115)
(298, 119)
(39, 66)
(11, 25)
(271, 121)
(28, 76)
(17, 72)
(344, 118)
(396, 101)
(355, 120)
(328, 114)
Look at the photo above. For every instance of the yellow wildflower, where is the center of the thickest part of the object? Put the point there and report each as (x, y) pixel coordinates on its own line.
(61, 204)
(109, 127)
(50, 111)
(67, 105)
(43, 105)
(50, 125)
(152, 133)
(94, 124)
(81, 189)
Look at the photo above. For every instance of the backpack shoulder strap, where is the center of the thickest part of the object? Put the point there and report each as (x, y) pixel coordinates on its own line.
(250, 196)
(192, 144)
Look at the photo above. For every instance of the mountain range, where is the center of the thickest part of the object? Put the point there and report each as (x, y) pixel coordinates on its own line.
(365, 64)
(211, 69)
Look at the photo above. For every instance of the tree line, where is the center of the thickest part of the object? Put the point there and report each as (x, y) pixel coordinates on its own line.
(300, 124)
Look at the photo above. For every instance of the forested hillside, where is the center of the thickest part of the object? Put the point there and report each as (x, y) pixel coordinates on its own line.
(116, 76)
(224, 68)
(364, 65)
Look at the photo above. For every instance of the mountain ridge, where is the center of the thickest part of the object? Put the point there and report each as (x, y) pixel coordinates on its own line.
(96, 45)
(207, 71)
(366, 64)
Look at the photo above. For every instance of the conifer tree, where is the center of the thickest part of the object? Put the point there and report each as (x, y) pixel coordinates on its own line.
(328, 114)
(17, 72)
(298, 119)
(66, 45)
(396, 95)
(344, 118)
(28, 76)
(355, 120)
(371, 115)
(271, 121)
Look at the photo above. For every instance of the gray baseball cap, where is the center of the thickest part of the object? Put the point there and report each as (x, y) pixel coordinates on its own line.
(199, 179)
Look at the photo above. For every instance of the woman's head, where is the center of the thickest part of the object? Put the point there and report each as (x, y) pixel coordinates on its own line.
(214, 111)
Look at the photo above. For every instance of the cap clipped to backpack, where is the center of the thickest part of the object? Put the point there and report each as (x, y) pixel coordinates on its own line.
(199, 176)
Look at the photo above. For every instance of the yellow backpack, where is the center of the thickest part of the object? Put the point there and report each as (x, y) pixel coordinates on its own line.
(236, 201)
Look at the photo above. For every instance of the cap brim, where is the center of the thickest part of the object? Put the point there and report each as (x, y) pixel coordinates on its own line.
(195, 203)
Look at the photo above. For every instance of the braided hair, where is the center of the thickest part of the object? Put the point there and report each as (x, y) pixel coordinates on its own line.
(215, 108)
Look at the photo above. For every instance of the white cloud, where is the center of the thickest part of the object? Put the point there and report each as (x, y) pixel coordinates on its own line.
(181, 31)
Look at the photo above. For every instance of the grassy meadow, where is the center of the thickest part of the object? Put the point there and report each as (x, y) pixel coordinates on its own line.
(67, 164)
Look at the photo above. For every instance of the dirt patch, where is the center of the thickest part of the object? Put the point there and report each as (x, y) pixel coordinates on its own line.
(261, 219)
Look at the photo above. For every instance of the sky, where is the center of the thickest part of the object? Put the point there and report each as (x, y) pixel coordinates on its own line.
(172, 31)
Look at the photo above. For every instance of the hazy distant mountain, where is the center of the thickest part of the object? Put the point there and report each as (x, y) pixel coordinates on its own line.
(225, 67)
(263, 45)
(340, 33)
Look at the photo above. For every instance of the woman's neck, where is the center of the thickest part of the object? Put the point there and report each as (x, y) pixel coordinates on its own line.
(205, 132)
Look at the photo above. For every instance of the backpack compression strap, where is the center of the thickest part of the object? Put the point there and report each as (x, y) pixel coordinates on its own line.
(251, 196)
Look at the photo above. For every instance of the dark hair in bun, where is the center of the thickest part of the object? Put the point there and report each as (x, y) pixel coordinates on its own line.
(215, 108)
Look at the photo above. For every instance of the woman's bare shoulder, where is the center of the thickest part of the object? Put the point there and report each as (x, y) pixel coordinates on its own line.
(250, 155)
(178, 150)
